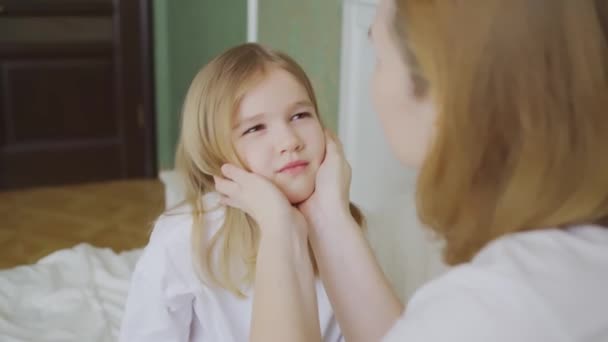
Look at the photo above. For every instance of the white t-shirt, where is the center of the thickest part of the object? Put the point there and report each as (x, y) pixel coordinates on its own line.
(168, 303)
(546, 285)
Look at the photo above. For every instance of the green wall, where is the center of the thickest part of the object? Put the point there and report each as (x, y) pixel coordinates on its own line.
(310, 32)
(188, 33)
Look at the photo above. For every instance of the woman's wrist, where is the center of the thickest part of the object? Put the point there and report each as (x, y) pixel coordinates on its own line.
(287, 229)
(287, 247)
(330, 220)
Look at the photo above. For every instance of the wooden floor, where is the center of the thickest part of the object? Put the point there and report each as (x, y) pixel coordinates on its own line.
(35, 222)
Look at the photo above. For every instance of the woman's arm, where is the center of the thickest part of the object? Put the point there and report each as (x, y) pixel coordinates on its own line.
(285, 301)
(363, 300)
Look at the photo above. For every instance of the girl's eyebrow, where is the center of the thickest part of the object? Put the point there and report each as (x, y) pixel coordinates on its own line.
(300, 103)
(258, 116)
(252, 118)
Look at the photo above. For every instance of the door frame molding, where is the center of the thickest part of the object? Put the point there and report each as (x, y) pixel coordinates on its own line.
(149, 87)
(252, 21)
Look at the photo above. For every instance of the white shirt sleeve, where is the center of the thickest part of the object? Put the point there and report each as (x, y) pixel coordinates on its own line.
(160, 301)
(149, 317)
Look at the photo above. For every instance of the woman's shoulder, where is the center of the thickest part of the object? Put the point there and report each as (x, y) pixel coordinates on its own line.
(518, 288)
(468, 304)
(586, 238)
(526, 263)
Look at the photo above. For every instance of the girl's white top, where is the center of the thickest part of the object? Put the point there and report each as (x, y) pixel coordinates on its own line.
(168, 302)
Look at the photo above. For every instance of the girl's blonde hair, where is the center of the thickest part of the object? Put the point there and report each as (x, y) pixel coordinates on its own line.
(228, 258)
(522, 92)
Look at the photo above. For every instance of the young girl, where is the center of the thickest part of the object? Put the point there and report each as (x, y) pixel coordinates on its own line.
(254, 108)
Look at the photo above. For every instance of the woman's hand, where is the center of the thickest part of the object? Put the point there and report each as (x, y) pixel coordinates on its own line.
(331, 195)
(285, 303)
(258, 197)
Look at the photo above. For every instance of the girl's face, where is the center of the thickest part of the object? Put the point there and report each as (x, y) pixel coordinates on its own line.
(408, 121)
(277, 134)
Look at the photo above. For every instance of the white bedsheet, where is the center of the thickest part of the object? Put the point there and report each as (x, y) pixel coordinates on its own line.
(74, 294)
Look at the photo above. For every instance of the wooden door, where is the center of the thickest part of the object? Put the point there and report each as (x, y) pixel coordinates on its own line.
(75, 92)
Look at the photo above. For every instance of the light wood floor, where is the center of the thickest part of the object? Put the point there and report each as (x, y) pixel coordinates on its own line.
(35, 222)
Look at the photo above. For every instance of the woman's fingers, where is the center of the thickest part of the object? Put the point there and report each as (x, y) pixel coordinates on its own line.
(226, 186)
(235, 173)
(227, 201)
(229, 192)
(236, 187)
(233, 181)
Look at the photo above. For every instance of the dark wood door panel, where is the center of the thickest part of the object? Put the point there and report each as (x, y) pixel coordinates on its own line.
(51, 7)
(55, 29)
(58, 100)
(76, 91)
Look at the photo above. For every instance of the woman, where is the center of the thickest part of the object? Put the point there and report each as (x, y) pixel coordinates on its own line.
(502, 104)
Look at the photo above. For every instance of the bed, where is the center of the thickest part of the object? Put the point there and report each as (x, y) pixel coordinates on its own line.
(77, 294)
(74, 294)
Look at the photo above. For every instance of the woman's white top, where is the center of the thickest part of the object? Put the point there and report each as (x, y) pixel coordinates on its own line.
(546, 285)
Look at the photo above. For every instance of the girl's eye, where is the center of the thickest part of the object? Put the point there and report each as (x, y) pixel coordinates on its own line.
(301, 116)
(253, 129)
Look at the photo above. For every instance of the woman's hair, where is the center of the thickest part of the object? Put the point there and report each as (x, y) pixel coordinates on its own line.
(521, 89)
(225, 258)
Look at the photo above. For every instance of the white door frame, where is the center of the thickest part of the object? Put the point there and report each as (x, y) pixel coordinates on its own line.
(381, 186)
(252, 21)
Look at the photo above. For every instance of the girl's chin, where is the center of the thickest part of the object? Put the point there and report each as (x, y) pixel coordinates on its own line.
(298, 196)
